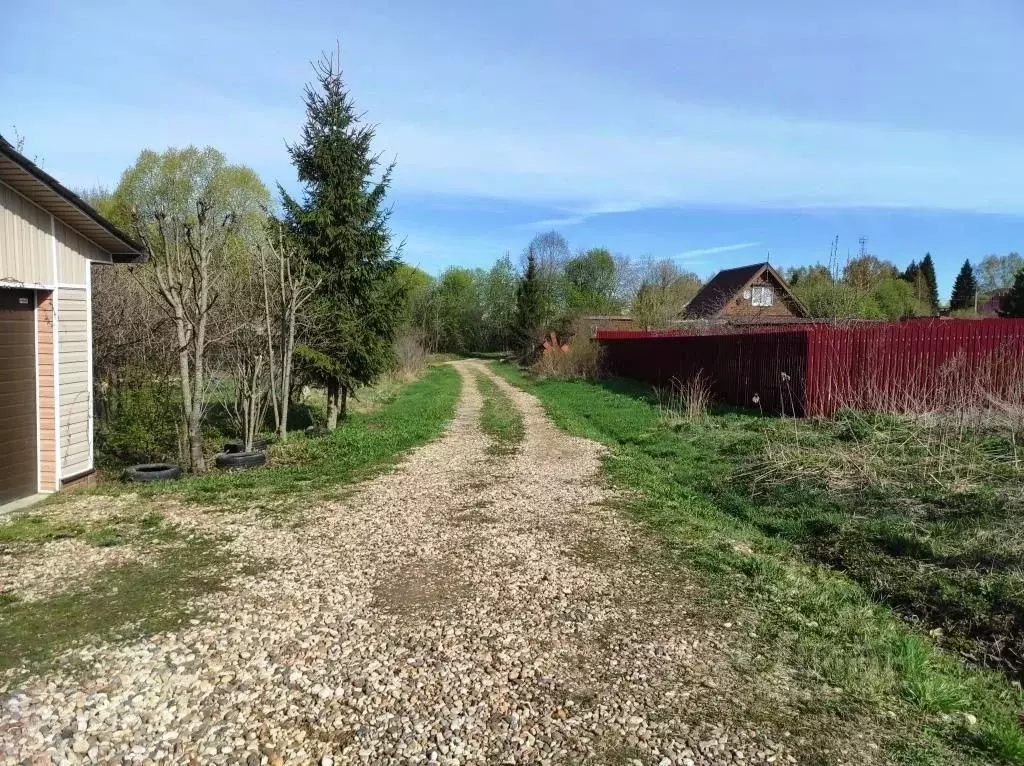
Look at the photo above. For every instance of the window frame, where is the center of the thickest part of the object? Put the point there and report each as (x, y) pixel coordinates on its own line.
(758, 293)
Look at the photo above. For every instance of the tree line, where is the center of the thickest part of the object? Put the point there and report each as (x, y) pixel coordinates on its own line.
(868, 287)
(464, 310)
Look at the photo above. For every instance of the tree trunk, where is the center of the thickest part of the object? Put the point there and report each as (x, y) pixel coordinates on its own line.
(343, 409)
(333, 397)
(286, 373)
(195, 441)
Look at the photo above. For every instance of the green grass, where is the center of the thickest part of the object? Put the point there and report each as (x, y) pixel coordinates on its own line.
(500, 419)
(35, 527)
(118, 603)
(306, 467)
(32, 528)
(694, 483)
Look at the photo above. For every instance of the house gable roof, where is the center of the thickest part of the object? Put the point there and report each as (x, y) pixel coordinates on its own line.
(39, 187)
(726, 284)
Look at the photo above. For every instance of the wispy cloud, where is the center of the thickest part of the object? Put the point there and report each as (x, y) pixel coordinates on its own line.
(554, 223)
(702, 251)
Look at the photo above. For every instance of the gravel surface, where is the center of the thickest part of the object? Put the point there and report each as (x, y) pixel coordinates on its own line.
(33, 572)
(463, 609)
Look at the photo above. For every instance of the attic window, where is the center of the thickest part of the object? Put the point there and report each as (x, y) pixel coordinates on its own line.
(761, 295)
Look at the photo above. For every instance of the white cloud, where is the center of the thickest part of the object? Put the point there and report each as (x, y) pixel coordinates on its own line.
(702, 251)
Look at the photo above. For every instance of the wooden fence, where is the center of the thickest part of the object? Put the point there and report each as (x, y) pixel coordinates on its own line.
(816, 368)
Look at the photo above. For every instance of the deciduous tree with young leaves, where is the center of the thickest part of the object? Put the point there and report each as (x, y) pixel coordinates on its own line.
(192, 210)
(341, 223)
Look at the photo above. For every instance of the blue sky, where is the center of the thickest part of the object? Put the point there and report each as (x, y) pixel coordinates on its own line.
(711, 133)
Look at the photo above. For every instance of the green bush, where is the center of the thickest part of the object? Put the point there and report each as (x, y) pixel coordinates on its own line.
(138, 424)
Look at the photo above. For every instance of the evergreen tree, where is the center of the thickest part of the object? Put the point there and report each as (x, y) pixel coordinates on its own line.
(1012, 304)
(342, 225)
(965, 288)
(928, 272)
(529, 309)
(921, 288)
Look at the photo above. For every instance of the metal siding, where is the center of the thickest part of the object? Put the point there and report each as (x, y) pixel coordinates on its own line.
(24, 240)
(911, 365)
(74, 252)
(19, 466)
(75, 382)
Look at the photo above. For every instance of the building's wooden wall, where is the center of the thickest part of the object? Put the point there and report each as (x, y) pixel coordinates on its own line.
(742, 307)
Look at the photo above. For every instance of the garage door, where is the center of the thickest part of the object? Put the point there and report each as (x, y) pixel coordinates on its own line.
(18, 476)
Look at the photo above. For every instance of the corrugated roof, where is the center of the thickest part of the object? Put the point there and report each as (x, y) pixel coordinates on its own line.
(38, 186)
(720, 290)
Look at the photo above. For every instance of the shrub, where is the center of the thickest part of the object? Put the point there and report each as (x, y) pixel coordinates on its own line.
(410, 353)
(139, 424)
(581, 360)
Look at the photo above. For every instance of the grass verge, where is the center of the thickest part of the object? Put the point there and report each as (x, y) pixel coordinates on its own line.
(500, 419)
(689, 481)
(308, 467)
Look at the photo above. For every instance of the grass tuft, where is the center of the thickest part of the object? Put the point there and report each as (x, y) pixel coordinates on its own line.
(500, 419)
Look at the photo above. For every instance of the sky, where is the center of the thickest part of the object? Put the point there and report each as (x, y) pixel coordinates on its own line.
(714, 134)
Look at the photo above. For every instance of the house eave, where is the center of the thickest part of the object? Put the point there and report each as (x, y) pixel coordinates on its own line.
(42, 189)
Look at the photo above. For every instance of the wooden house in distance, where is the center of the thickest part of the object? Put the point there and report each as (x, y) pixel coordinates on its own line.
(754, 292)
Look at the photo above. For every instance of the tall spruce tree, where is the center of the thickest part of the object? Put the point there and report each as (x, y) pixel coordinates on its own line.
(529, 310)
(342, 225)
(965, 289)
(928, 272)
(1012, 304)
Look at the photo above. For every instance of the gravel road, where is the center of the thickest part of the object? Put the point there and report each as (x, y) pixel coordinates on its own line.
(462, 609)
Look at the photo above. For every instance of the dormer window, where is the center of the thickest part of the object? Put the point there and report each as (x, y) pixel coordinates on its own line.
(761, 295)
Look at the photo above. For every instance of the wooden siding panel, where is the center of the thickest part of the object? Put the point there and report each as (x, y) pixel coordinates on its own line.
(75, 380)
(26, 245)
(740, 306)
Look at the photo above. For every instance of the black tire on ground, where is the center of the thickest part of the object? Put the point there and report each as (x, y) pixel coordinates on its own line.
(236, 446)
(241, 459)
(151, 472)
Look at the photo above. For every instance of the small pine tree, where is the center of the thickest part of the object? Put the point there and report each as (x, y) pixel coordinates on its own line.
(927, 268)
(1012, 304)
(529, 305)
(964, 289)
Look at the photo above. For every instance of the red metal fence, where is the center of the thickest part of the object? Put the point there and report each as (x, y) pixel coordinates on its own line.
(816, 368)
